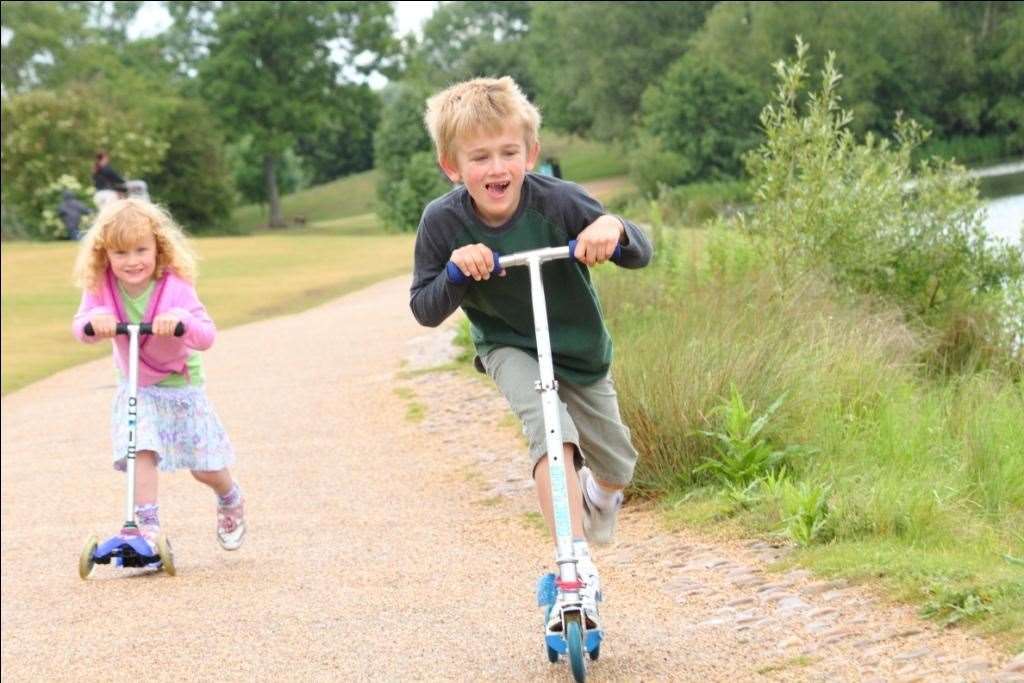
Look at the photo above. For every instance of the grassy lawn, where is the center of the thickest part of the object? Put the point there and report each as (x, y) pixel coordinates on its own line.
(241, 279)
(349, 196)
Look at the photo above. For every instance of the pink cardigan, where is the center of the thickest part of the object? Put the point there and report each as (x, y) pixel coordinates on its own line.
(158, 356)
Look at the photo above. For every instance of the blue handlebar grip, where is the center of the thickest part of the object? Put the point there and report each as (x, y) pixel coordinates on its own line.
(456, 277)
(615, 256)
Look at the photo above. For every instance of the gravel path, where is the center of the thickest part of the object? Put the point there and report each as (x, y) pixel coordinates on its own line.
(386, 547)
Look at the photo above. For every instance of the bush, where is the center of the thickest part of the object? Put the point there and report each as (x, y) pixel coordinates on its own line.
(421, 182)
(862, 212)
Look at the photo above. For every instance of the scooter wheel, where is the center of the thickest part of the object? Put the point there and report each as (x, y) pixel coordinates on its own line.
(574, 644)
(163, 546)
(87, 560)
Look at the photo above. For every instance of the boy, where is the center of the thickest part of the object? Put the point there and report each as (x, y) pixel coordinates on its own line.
(485, 134)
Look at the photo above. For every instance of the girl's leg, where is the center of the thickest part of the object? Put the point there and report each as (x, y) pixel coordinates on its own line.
(146, 478)
(218, 480)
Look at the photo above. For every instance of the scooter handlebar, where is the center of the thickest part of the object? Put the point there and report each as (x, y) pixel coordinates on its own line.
(457, 277)
(144, 328)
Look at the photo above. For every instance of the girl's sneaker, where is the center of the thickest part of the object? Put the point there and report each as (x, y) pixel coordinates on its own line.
(231, 525)
(151, 533)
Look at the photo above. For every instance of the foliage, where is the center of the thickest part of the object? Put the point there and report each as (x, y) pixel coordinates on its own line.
(950, 606)
(862, 213)
(48, 134)
(697, 123)
(743, 455)
(273, 70)
(464, 40)
(592, 61)
(805, 512)
(342, 143)
(194, 181)
(402, 146)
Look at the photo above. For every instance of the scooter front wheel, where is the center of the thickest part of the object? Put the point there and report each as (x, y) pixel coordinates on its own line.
(574, 644)
(87, 560)
(163, 546)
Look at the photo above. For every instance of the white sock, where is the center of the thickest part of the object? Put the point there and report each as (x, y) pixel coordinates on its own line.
(601, 497)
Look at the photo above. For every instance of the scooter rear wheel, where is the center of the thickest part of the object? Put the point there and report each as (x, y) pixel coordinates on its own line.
(87, 560)
(163, 546)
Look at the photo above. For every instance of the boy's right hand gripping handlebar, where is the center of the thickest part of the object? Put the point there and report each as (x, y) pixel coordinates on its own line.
(457, 277)
(144, 328)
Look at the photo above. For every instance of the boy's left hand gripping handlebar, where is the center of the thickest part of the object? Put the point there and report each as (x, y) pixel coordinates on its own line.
(144, 328)
(457, 277)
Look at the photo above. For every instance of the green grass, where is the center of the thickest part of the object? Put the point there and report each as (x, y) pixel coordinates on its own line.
(241, 279)
(352, 195)
(918, 481)
(584, 160)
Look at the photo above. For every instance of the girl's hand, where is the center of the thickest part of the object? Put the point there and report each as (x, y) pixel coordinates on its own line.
(104, 325)
(164, 324)
(597, 242)
(475, 261)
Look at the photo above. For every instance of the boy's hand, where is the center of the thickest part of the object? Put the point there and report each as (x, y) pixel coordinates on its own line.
(164, 324)
(104, 325)
(597, 242)
(475, 261)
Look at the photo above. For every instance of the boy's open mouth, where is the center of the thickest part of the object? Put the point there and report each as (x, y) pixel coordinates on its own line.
(497, 189)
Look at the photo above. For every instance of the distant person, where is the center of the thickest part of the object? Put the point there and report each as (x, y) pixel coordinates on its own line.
(108, 183)
(545, 168)
(71, 211)
(556, 168)
(135, 265)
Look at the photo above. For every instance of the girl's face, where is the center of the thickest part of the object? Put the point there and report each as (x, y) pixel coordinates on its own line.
(134, 265)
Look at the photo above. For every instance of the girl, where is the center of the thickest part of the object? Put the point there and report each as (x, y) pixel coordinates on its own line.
(134, 265)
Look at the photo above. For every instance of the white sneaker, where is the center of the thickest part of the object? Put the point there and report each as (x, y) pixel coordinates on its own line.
(598, 523)
(589, 596)
(231, 525)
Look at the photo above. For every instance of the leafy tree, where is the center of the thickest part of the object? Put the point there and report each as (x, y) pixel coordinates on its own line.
(41, 35)
(193, 181)
(409, 175)
(275, 69)
(702, 117)
(592, 61)
(342, 142)
(464, 40)
(48, 134)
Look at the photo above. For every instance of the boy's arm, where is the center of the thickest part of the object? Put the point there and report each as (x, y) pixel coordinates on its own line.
(580, 211)
(432, 297)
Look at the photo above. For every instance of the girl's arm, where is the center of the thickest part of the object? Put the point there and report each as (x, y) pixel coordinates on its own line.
(91, 305)
(199, 328)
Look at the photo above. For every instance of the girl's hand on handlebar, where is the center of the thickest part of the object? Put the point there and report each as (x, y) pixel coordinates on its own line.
(597, 242)
(164, 324)
(104, 325)
(475, 261)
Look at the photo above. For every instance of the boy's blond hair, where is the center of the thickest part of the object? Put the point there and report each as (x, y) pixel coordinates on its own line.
(120, 225)
(479, 105)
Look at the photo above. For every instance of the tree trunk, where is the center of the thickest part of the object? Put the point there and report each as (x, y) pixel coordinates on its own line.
(274, 201)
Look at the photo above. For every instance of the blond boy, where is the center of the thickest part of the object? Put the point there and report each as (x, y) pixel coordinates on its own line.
(485, 133)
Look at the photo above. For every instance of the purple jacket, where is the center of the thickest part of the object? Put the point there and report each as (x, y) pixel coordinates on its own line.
(158, 356)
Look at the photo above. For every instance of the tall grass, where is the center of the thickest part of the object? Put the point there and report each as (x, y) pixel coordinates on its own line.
(922, 477)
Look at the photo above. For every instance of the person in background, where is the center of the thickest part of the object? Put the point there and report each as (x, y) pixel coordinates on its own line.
(71, 211)
(108, 183)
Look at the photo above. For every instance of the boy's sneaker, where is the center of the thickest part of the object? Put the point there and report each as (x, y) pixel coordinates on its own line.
(590, 596)
(231, 525)
(598, 523)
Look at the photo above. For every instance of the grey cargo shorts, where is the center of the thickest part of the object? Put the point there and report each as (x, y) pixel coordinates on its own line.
(589, 415)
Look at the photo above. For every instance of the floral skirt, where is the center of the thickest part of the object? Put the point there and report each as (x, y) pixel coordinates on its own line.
(178, 424)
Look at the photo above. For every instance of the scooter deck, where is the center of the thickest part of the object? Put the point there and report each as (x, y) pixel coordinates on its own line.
(126, 551)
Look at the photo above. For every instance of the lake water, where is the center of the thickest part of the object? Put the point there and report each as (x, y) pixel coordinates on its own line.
(1005, 217)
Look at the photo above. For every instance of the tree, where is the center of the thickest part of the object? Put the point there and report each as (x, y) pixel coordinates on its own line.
(592, 61)
(464, 40)
(276, 68)
(342, 142)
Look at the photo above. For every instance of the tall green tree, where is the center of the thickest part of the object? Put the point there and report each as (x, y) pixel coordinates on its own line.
(275, 68)
(592, 61)
(464, 40)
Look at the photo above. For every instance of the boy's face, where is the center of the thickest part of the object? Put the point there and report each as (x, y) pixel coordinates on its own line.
(492, 166)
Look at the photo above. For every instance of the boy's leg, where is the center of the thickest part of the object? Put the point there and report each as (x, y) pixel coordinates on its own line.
(608, 452)
(516, 374)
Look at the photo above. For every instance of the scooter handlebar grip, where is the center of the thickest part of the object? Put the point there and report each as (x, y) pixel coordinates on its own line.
(614, 258)
(144, 328)
(457, 277)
